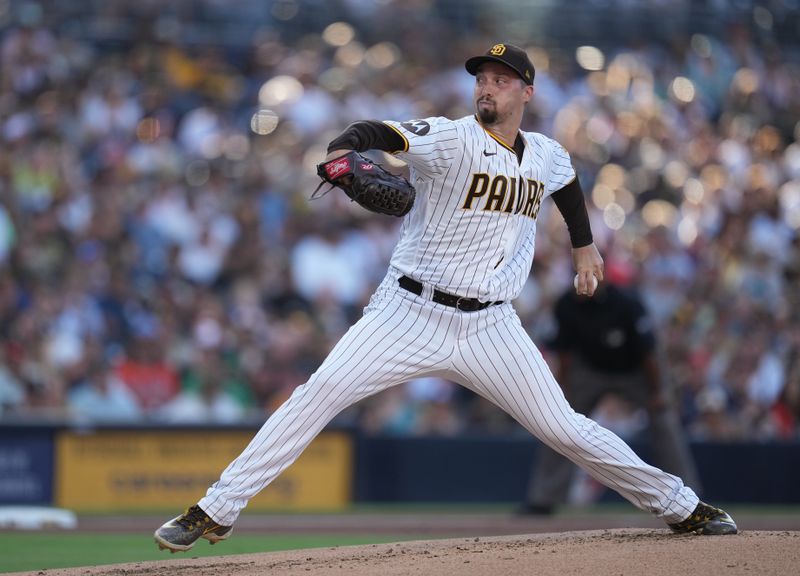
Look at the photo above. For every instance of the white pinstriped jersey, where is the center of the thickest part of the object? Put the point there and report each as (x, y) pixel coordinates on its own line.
(472, 230)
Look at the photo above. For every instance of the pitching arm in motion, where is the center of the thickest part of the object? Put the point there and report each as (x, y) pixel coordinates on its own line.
(585, 256)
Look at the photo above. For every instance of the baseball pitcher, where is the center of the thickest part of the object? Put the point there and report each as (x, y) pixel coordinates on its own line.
(444, 308)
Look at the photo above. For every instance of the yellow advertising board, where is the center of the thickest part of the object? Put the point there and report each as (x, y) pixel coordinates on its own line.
(153, 469)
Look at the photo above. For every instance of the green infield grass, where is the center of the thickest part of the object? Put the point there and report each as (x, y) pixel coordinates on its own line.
(36, 551)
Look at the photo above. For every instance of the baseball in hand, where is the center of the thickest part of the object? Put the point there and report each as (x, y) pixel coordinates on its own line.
(594, 282)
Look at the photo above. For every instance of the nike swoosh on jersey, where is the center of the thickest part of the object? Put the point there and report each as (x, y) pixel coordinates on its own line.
(487, 153)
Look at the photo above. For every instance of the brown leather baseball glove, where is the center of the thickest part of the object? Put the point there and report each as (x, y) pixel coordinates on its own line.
(368, 184)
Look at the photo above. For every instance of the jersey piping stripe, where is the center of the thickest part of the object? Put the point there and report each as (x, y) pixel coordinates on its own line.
(403, 136)
(494, 136)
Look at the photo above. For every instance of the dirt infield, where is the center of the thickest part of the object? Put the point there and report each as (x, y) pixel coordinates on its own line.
(633, 551)
(579, 543)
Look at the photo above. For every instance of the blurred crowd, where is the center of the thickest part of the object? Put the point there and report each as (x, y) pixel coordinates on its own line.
(161, 259)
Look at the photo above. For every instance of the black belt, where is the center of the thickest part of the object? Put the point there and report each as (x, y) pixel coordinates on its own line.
(451, 300)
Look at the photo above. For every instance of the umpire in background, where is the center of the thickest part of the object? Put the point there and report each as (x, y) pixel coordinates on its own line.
(607, 345)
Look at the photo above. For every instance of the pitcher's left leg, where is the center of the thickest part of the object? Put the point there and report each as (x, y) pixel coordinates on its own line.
(500, 361)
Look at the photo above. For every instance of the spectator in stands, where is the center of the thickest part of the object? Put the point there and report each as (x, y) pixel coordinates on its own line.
(101, 397)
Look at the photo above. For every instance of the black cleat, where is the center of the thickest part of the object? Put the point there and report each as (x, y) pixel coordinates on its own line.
(706, 520)
(180, 533)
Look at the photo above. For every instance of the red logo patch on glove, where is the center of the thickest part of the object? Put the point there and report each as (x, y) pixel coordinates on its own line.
(338, 167)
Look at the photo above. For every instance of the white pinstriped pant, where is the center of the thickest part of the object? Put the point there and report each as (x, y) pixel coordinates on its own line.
(404, 336)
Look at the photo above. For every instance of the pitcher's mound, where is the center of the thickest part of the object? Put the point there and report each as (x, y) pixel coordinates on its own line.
(655, 552)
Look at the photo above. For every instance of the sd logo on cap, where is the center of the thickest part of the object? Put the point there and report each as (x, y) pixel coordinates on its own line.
(512, 56)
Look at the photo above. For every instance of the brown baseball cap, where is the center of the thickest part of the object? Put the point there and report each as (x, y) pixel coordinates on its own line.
(512, 56)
